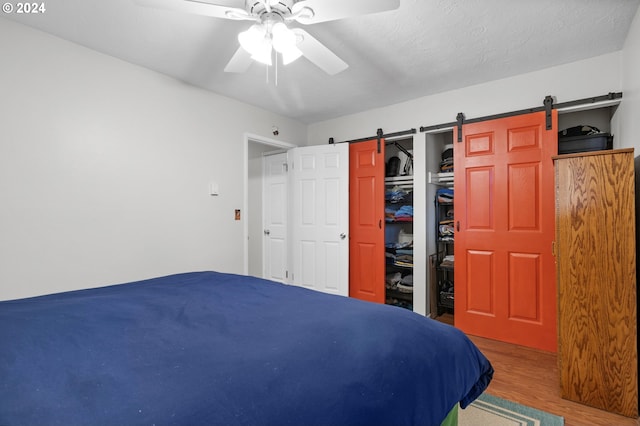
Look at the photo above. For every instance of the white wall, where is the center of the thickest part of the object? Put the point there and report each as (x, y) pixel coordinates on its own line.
(577, 80)
(627, 118)
(105, 167)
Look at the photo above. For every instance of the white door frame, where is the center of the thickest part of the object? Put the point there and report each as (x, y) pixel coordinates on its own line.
(249, 137)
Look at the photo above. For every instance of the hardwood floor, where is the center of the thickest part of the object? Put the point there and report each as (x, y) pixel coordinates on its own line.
(530, 377)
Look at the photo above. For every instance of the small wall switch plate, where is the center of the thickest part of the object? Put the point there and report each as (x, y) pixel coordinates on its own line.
(214, 188)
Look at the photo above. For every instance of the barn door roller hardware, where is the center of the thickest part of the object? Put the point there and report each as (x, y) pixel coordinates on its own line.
(609, 99)
(379, 136)
(460, 122)
(548, 106)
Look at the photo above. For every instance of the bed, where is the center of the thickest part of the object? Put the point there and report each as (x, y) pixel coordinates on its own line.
(208, 348)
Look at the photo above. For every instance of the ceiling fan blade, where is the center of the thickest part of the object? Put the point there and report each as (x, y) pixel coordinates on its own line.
(319, 54)
(240, 61)
(331, 10)
(198, 8)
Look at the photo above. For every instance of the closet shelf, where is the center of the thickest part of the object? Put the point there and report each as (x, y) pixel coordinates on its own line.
(442, 179)
(404, 182)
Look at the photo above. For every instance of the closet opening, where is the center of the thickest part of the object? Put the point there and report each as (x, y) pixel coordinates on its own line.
(440, 241)
(399, 222)
(388, 256)
(254, 149)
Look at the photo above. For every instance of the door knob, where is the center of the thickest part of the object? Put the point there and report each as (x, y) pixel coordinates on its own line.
(267, 232)
(343, 236)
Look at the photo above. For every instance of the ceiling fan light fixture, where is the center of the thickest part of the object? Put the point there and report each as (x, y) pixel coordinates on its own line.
(252, 39)
(262, 53)
(283, 38)
(284, 42)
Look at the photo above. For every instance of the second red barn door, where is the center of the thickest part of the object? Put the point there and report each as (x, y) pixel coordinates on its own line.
(366, 221)
(505, 280)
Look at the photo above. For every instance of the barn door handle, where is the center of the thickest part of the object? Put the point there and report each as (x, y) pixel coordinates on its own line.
(458, 226)
(380, 224)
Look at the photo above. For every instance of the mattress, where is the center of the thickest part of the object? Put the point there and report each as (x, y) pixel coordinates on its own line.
(208, 348)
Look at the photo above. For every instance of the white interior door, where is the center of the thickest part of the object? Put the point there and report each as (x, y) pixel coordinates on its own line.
(320, 217)
(275, 205)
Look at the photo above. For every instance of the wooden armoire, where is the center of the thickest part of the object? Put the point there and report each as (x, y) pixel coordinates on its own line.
(596, 271)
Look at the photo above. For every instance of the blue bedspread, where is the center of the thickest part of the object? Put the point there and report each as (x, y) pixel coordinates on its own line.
(207, 348)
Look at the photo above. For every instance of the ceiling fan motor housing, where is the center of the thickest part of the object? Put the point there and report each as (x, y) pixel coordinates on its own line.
(280, 7)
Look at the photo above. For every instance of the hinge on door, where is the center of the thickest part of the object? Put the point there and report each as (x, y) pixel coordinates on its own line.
(379, 133)
(286, 274)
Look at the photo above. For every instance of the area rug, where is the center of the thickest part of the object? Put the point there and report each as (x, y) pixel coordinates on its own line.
(489, 410)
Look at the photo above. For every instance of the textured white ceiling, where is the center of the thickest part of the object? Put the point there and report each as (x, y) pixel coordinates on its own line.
(424, 47)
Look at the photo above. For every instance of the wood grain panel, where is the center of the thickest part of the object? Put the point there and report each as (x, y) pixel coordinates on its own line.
(596, 280)
(530, 377)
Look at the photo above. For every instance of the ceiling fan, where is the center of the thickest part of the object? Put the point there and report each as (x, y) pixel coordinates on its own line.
(270, 33)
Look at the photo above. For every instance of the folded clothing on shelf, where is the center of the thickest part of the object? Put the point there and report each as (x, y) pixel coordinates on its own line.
(445, 195)
(398, 195)
(447, 261)
(395, 281)
(398, 213)
(406, 284)
(446, 227)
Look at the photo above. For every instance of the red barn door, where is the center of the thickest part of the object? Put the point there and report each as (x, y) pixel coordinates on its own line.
(366, 221)
(505, 276)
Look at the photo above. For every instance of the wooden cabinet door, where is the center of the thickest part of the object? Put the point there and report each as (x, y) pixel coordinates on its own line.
(596, 254)
(505, 280)
(366, 221)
